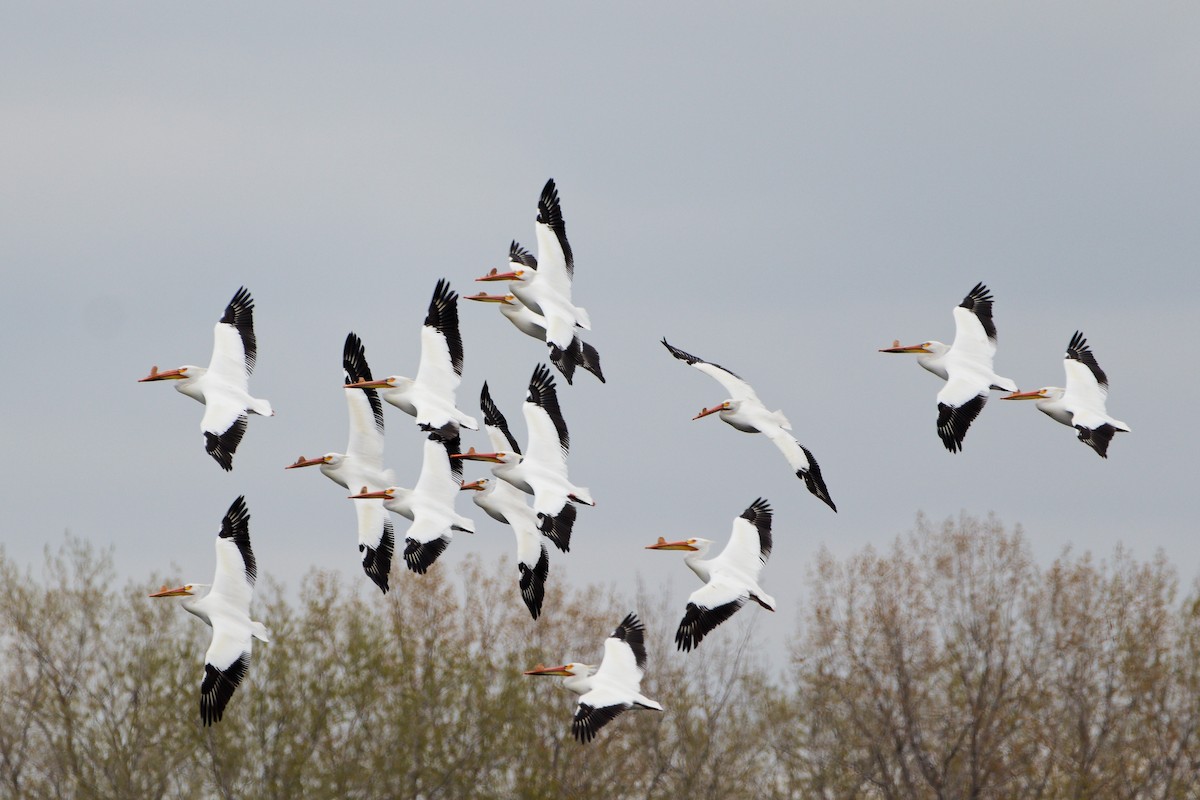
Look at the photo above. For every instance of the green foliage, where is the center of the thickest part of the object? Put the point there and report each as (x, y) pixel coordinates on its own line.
(951, 666)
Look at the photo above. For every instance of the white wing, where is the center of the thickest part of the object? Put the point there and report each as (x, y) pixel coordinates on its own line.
(971, 340)
(744, 553)
(366, 433)
(738, 389)
(436, 481)
(237, 569)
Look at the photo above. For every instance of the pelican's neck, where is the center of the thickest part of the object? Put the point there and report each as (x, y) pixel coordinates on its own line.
(696, 561)
(579, 684)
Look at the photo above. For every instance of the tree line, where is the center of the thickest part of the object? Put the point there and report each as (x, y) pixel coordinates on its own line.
(947, 665)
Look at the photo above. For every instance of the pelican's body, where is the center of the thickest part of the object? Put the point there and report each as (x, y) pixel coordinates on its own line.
(531, 323)
(542, 470)
(611, 689)
(223, 387)
(430, 505)
(1082, 405)
(430, 397)
(745, 412)
(362, 465)
(544, 285)
(506, 503)
(226, 609)
(730, 579)
(965, 365)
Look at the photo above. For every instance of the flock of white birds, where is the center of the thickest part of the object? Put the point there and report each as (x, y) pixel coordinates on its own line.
(530, 489)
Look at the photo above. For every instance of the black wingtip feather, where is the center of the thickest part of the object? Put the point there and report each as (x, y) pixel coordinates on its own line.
(236, 526)
(557, 528)
(222, 446)
(240, 314)
(759, 515)
(698, 622)
(953, 422)
(377, 561)
(543, 394)
(443, 317)
(533, 583)
(633, 633)
(813, 480)
(420, 556)
(519, 255)
(217, 687)
(979, 302)
(1097, 438)
(589, 720)
(693, 360)
(591, 361)
(354, 362)
(1079, 351)
(550, 214)
(493, 417)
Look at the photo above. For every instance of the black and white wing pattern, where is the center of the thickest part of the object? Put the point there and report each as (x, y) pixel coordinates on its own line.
(738, 388)
(227, 381)
(616, 685)
(1086, 396)
(497, 426)
(228, 656)
(958, 406)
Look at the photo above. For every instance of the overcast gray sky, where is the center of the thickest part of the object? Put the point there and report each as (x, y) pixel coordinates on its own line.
(781, 188)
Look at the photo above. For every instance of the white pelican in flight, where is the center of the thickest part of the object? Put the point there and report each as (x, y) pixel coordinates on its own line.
(533, 324)
(744, 411)
(544, 284)
(542, 470)
(1081, 405)
(965, 365)
(430, 505)
(730, 579)
(506, 503)
(430, 396)
(362, 465)
(611, 689)
(224, 386)
(226, 609)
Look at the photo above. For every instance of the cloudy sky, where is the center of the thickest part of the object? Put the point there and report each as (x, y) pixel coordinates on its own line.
(781, 188)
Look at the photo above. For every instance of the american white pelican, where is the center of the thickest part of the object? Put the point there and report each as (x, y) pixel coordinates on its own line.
(1081, 405)
(224, 386)
(226, 609)
(611, 689)
(730, 579)
(745, 412)
(506, 503)
(430, 396)
(430, 505)
(533, 324)
(542, 470)
(362, 465)
(544, 284)
(965, 365)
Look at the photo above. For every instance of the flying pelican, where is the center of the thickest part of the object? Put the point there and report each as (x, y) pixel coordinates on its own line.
(531, 323)
(544, 284)
(542, 470)
(430, 505)
(965, 365)
(224, 386)
(506, 503)
(611, 689)
(730, 579)
(1082, 404)
(226, 609)
(744, 411)
(430, 396)
(362, 465)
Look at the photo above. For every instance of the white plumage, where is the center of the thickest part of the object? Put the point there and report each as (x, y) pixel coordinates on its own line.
(226, 608)
(965, 365)
(611, 689)
(223, 387)
(362, 465)
(1082, 405)
(730, 579)
(745, 412)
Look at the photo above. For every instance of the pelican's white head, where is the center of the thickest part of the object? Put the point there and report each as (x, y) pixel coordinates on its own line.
(329, 461)
(498, 457)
